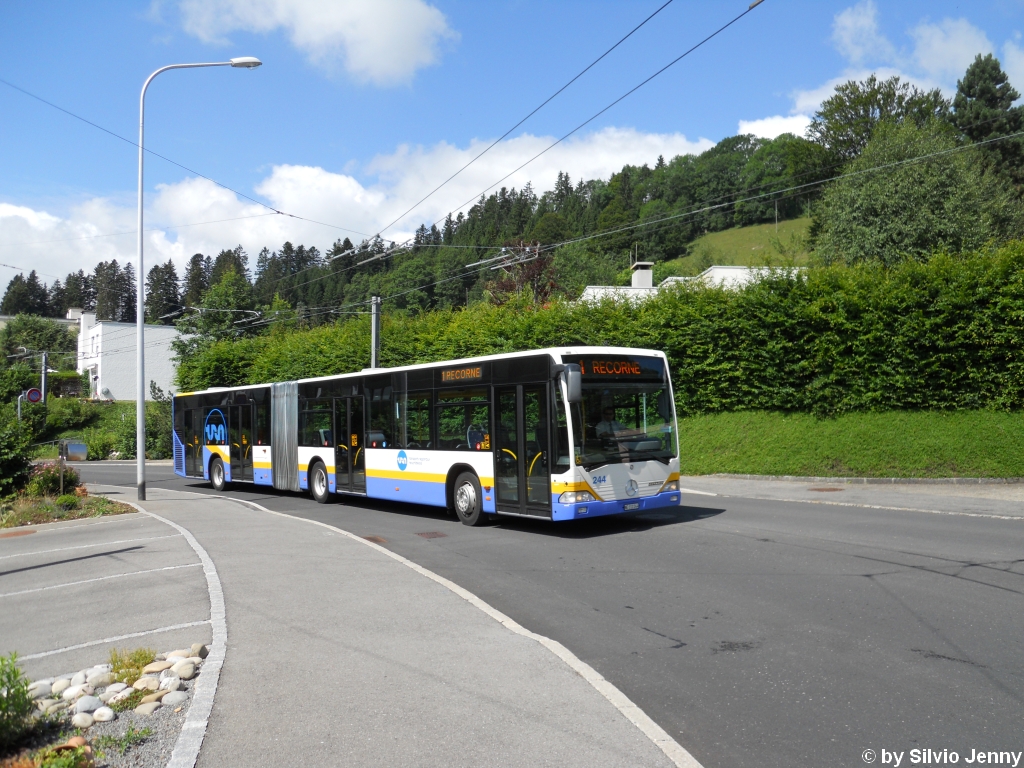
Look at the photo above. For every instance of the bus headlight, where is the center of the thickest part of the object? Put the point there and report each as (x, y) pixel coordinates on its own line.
(575, 497)
(673, 486)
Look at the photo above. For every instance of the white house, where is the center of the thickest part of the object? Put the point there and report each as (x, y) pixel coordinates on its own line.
(643, 281)
(107, 351)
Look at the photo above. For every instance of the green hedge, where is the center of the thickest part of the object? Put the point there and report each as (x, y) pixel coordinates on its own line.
(946, 334)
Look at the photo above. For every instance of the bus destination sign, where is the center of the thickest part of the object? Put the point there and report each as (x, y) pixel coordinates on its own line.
(620, 367)
(475, 373)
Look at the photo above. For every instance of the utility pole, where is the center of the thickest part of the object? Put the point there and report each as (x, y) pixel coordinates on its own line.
(43, 379)
(375, 331)
(776, 217)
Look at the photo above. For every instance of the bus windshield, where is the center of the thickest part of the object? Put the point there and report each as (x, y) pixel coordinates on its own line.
(626, 414)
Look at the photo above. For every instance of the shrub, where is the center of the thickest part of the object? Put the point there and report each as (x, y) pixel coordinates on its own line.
(44, 479)
(100, 444)
(127, 665)
(68, 413)
(68, 501)
(15, 703)
(14, 451)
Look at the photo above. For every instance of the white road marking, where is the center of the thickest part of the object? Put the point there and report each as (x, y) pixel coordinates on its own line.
(877, 506)
(672, 749)
(99, 578)
(87, 546)
(117, 639)
(701, 493)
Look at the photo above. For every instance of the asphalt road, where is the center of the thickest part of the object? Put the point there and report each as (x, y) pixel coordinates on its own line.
(757, 632)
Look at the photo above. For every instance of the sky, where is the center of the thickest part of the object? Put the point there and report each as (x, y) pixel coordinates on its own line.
(362, 108)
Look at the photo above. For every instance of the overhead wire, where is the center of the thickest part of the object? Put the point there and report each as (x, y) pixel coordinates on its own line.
(173, 162)
(537, 109)
(612, 104)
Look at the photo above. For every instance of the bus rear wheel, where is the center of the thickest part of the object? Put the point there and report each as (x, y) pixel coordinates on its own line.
(319, 486)
(467, 499)
(217, 478)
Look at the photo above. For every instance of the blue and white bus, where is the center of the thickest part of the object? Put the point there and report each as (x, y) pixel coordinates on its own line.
(556, 434)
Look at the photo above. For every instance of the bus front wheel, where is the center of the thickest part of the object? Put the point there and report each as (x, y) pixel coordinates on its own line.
(217, 478)
(318, 483)
(468, 500)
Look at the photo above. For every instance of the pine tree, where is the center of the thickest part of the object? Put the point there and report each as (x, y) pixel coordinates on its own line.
(984, 110)
(162, 297)
(234, 260)
(197, 280)
(106, 276)
(16, 300)
(79, 291)
(56, 300)
(128, 294)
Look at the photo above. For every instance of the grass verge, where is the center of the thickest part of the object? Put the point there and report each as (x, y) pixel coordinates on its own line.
(27, 510)
(893, 444)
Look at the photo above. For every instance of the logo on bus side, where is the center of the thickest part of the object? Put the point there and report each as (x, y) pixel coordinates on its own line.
(214, 428)
(403, 460)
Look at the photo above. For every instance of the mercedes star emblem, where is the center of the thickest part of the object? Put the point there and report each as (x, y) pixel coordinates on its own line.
(631, 488)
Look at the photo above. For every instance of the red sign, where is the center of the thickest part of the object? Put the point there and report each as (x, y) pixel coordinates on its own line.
(33, 395)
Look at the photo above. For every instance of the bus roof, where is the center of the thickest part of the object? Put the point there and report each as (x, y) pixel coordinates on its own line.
(554, 352)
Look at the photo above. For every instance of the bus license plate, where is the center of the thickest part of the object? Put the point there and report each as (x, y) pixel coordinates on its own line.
(631, 507)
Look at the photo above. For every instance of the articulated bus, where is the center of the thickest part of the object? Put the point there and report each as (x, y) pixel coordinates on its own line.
(556, 434)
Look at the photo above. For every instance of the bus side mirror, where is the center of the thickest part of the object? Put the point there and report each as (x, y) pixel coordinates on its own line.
(573, 383)
(664, 405)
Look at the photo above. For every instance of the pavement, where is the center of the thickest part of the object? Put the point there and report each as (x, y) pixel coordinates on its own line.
(338, 652)
(772, 623)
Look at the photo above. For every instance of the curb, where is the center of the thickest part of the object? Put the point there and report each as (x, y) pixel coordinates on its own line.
(877, 480)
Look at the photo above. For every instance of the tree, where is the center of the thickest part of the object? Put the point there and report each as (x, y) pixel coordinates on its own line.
(25, 295)
(197, 280)
(162, 294)
(846, 120)
(56, 300)
(983, 110)
(914, 209)
(235, 259)
(38, 334)
(216, 317)
(79, 291)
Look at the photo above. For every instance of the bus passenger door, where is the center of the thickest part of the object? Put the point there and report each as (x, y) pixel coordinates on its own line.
(349, 456)
(245, 441)
(193, 446)
(521, 464)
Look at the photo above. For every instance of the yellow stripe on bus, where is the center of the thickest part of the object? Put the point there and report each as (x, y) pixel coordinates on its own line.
(423, 477)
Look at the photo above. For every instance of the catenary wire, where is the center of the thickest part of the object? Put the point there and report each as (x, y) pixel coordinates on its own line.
(535, 111)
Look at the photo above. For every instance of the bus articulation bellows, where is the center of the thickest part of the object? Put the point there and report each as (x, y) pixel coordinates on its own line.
(557, 434)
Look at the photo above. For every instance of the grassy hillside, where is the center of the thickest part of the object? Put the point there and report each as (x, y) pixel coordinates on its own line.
(892, 444)
(743, 246)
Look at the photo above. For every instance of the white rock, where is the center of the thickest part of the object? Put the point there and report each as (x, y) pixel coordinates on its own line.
(100, 678)
(54, 708)
(106, 696)
(40, 689)
(88, 704)
(148, 708)
(82, 720)
(186, 670)
(103, 715)
(60, 686)
(121, 695)
(197, 660)
(102, 668)
(79, 677)
(75, 691)
(175, 659)
(116, 687)
(170, 683)
(45, 704)
(146, 684)
(174, 698)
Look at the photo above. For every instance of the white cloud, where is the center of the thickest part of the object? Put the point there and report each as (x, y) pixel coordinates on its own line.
(1013, 65)
(770, 127)
(383, 42)
(943, 51)
(856, 35)
(391, 184)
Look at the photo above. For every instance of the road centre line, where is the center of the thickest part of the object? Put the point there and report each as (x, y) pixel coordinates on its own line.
(672, 749)
(117, 639)
(876, 506)
(88, 546)
(99, 578)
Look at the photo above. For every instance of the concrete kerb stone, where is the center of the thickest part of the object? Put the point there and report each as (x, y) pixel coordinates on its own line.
(877, 480)
(193, 731)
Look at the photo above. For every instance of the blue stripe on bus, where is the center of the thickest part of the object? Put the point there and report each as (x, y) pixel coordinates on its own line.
(618, 507)
(262, 477)
(415, 491)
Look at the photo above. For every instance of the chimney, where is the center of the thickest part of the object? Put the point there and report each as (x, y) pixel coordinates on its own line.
(643, 277)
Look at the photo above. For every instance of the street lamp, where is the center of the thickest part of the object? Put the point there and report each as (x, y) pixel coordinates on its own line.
(244, 62)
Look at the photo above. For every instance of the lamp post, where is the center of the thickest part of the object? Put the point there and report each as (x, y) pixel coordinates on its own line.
(245, 62)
